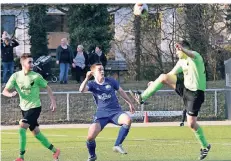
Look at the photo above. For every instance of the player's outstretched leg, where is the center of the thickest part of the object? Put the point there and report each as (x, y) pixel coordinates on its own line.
(93, 131)
(124, 120)
(205, 147)
(44, 141)
(153, 87)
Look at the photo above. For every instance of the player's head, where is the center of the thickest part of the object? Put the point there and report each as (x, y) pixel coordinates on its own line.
(26, 61)
(98, 70)
(185, 44)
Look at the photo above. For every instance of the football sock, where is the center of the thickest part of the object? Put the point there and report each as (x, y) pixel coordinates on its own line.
(22, 141)
(201, 138)
(43, 140)
(122, 134)
(91, 145)
(155, 86)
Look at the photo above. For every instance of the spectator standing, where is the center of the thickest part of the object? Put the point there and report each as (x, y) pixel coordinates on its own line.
(7, 56)
(98, 57)
(80, 63)
(64, 57)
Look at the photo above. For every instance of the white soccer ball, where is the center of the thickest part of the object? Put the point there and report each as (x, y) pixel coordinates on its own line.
(140, 9)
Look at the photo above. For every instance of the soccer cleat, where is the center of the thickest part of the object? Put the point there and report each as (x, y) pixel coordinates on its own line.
(204, 152)
(56, 155)
(92, 158)
(19, 159)
(137, 96)
(119, 149)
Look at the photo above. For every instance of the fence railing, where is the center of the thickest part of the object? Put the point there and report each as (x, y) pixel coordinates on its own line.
(79, 107)
(143, 106)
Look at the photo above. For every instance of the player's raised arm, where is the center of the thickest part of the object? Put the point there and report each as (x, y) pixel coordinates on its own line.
(185, 47)
(83, 87)
(127, 99)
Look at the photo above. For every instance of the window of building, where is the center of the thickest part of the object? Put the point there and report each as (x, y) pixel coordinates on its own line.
(8, 23)
(56, 23)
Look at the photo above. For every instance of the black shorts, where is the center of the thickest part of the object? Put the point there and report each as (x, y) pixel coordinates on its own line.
(192, 99)
(31, 117)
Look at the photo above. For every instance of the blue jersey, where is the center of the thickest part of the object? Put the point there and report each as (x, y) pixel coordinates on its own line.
(105, 96)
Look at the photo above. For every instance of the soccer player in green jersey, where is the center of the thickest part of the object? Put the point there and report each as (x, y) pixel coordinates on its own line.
(27, 84)
(190, 87)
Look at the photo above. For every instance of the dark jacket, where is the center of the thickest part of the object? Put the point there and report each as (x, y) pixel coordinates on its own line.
(94, 58)
(59, 51)
(86, 59)
(7, 52)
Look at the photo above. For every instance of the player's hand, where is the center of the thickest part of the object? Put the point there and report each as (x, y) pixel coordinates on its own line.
(13, 94)
(132, 108)
(53, 105)
(89, 74)
(149, 83)
(57, 62)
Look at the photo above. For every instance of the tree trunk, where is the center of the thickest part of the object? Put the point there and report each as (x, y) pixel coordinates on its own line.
(137, 26)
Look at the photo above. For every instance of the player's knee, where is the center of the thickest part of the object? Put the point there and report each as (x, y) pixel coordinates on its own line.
(192, 125)
(35, 131)
(126, 126)
(90, 138)
(128, 122)
(163, 78)
(23, 123)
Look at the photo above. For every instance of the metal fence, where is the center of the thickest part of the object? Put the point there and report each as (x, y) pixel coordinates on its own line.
(73, 106)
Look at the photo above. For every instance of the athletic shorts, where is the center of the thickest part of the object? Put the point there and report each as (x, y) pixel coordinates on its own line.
(192, 99)
(31, 117)
(112, 118)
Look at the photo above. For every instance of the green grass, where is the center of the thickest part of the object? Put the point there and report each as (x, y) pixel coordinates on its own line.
(142, 144)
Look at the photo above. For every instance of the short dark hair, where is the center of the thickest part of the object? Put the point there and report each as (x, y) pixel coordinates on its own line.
(99, 46)
(25, 56)
(185, 43)
(94, 65)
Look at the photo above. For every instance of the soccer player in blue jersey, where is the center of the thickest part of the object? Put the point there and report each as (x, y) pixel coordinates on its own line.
(108, 108)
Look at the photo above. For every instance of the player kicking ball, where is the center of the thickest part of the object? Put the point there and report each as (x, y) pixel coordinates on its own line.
(108, 108)
(27, 84)
(190, 87)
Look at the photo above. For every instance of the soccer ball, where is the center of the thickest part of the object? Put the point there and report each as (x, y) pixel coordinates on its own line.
(140, 9)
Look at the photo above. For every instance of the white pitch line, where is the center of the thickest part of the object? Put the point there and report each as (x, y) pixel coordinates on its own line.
(14, 133)
(11, 133)
(151, 124)
(131, 139)
(138, 139)
(138, 145)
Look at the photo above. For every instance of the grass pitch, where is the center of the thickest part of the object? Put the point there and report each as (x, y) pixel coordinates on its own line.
(142, 144)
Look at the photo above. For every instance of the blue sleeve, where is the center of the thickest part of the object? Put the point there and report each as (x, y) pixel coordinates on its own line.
(90, 86)
(115, 84)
